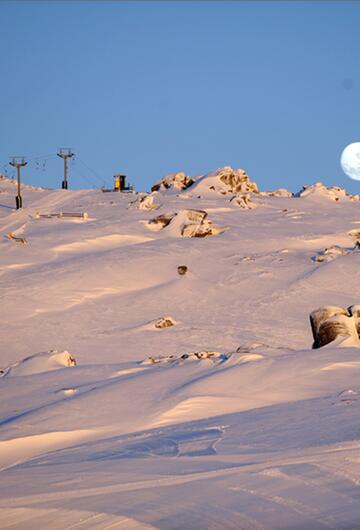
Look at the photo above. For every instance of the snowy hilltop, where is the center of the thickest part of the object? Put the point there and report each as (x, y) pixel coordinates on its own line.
(186, 358)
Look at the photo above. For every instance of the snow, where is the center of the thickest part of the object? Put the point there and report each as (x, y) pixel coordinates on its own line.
(227, 418)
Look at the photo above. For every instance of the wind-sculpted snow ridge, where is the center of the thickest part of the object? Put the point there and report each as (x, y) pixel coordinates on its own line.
(330, 253)
(197, 400)
(10, 185)
(319, 190)
(40, 362)
(214, 356)
(281, 192)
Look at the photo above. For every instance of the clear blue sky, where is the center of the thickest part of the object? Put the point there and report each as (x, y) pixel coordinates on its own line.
(148, 88)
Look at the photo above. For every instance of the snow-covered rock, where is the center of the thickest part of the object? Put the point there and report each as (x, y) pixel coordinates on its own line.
(186, 223)
(215, 356)
(355, 236)
(319, 190)
(174, 181)
(164, 322)
(40, 362)
(160, 222)
(281, 192)
(331, 324)
(330, 253)
(354, 310)
(146, 202)
(193, 223)
(243, 200)
(224, 180)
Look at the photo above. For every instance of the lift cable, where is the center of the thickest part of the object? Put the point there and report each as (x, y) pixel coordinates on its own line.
(90, 169)
(92, 183)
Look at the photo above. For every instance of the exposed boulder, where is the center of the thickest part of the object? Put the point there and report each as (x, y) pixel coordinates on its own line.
(145, 202)
(237, 180)
(161, 221)
(194, 223)
(331, 323)
(186, 223)
(182, 270)
(318, 189)
(178, 181)
(164, 322)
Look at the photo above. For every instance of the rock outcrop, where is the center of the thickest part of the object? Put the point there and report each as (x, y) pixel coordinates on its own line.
(161, 221)
(186, 223)
(164, 322)
(177, 181)
(146, 202)
(225, 180)
(334, 193)
(281, 192)
(243, 200)
(213, 356)
(330, 253)
(335, 323)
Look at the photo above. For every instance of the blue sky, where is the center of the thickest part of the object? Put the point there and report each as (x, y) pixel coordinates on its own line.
(148, 88)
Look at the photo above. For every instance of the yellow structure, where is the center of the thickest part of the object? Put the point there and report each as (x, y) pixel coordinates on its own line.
(119, 182)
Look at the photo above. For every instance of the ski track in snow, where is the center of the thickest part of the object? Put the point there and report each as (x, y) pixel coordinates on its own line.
(266, 438)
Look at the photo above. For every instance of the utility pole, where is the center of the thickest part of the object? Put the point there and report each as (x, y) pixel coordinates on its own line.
(18, 162)
(65, 153)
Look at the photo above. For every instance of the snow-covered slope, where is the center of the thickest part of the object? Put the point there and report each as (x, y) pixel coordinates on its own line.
(221, 417)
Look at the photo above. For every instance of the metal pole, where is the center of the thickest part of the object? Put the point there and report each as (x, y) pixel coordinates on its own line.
(65, 184)
(18, 198)
(18, 164)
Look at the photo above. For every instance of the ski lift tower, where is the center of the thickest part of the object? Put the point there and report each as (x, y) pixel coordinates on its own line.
(65, 153)
(18, 162)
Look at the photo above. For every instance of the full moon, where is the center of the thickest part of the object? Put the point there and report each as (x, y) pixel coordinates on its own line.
(350, 160)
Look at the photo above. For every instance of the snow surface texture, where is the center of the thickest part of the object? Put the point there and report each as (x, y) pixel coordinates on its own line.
(226, 419)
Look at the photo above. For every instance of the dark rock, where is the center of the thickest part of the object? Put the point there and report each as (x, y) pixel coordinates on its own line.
(182, 269)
